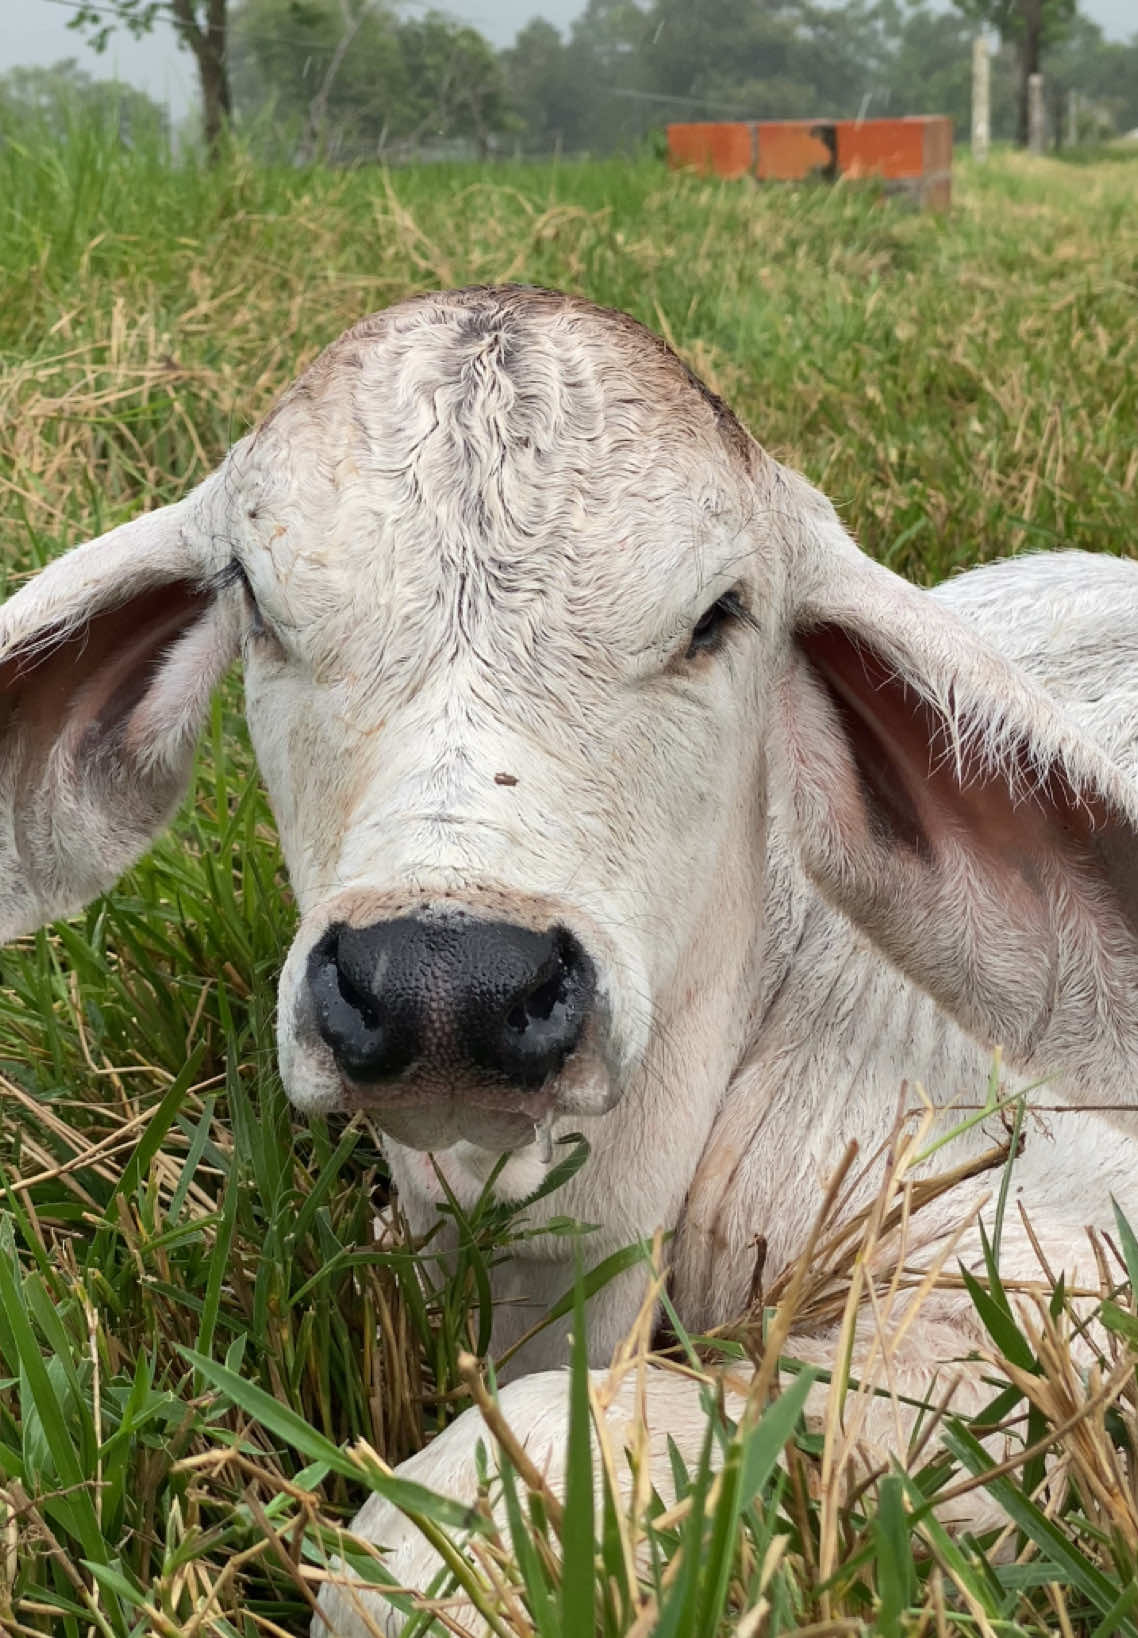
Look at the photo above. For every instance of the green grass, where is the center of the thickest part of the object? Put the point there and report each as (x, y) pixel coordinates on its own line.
(195, 1317)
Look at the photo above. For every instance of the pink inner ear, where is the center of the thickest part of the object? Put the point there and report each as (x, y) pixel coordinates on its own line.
(93, 678)
(906, 774)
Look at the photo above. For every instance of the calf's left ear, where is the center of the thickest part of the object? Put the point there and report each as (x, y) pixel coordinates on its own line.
(948, 806)
(107, 662)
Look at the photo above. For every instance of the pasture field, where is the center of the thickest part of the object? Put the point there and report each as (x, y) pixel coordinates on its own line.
(194, 1319)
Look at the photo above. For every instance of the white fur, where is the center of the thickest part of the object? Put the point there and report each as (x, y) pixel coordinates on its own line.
(479, 532)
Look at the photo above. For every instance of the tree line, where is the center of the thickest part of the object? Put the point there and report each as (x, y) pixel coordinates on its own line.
(350, 80)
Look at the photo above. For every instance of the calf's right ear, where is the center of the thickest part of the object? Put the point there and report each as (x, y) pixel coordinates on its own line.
(108, 659)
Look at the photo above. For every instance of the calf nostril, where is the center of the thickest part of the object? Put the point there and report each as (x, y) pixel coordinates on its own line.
(537, 1004)
(541, 1023)
(357, 998)
(367, 1045)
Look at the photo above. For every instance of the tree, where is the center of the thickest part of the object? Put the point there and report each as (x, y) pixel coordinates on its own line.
(930, 67)
(1031, 26)
(348, 79)
(456, 80)
(200, 26)
(645, 65)
(629, 67)
(845, 52)
(759, 59)
(542, 88)
(325, 78)
(315, 137)
(1103, 72)
(54, 97)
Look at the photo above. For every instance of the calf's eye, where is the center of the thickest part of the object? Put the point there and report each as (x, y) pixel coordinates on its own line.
(708, 631)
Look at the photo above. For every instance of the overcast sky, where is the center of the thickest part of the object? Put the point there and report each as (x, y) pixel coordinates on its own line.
(35, 31)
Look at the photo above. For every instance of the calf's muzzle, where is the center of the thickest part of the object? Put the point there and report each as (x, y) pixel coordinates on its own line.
(452, 995)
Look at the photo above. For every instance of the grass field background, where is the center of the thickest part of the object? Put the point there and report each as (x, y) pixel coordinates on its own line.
(963, 387)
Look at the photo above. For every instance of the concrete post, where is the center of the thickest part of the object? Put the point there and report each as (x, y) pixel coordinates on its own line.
(1035, 125)
(981, 99)
(1072, 118)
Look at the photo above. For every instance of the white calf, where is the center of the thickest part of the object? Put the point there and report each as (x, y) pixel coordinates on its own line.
(619, 791)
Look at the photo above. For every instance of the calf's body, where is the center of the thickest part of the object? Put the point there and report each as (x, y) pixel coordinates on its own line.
(619, 791)
(843, 1034)
(830, 1034)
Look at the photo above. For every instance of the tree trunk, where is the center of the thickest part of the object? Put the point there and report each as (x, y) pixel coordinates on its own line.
(208, 44)
(1029, 52)
(216, 105)
(312, 143)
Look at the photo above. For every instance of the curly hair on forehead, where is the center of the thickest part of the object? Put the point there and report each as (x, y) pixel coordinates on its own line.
(486, 310)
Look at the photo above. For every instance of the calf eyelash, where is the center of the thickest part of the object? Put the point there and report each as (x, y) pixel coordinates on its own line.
(234, 574)
(708, 633)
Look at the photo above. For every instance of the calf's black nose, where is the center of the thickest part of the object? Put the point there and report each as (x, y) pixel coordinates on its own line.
(450, 992)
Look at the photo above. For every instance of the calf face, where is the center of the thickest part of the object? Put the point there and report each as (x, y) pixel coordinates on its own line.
(495, 694)
(540, 649)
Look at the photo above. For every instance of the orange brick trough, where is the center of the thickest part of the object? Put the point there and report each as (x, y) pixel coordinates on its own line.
(911, 155)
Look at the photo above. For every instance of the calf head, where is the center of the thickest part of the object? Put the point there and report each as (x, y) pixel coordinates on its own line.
(540, 651)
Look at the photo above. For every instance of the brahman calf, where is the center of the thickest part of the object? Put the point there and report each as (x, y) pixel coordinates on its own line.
(619, 791)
